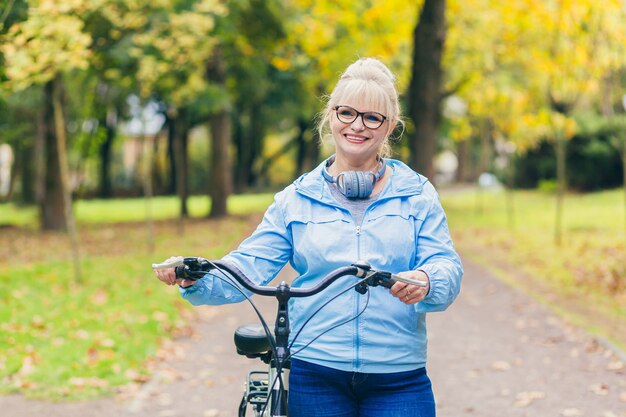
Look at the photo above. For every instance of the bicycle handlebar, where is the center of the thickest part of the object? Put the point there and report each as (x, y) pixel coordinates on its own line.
(194, 268)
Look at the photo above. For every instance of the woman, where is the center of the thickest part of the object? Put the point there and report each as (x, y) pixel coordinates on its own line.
(356, 205)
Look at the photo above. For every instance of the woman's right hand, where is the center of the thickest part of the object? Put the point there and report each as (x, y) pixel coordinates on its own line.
(168, 275)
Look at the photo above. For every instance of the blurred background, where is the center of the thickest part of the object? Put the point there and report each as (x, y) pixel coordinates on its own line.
(131, 130)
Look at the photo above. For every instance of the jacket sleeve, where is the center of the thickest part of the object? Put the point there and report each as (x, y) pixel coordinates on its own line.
(435, 255)
(260, 257)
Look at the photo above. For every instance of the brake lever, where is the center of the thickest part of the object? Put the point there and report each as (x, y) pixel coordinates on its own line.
(385, 279)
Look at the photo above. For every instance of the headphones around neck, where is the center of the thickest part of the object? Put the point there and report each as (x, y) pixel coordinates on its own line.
(355, 184)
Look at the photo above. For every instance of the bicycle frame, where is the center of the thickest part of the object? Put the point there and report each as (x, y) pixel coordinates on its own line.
(276, 388)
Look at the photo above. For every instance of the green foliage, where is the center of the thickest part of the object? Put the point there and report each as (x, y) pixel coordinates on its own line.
(593, 156)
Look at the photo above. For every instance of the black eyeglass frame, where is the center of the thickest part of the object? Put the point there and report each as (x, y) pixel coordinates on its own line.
(362, 114)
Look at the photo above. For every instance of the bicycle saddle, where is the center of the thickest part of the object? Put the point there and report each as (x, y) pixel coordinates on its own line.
(250, 339)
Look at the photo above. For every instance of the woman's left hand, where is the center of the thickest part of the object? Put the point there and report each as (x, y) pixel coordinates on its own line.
(407, 293)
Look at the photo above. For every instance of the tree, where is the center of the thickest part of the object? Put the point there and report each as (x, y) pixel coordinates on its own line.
(173, 53)
(39, 50)
(221, 182)
(424, 94)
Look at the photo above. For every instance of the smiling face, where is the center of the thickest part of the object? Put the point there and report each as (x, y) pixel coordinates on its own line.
(355, 144)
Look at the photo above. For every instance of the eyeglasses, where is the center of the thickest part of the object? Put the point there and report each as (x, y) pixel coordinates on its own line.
(371, 119)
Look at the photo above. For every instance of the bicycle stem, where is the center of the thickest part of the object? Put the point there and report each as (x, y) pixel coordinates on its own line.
(282, 361)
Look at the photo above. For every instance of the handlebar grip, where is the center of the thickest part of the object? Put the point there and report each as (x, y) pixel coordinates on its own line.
(388, 283)
(181, 271)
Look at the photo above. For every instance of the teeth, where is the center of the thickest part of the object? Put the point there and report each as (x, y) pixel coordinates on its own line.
(359, 138)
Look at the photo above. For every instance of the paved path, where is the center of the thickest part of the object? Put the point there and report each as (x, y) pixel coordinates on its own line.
(495, 353)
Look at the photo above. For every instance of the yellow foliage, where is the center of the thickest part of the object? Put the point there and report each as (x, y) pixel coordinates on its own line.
(50, 41)
(332, 34)
(511, 57)
(281, 63)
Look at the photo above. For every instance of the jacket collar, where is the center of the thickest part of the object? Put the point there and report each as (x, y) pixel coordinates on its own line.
(404, 182)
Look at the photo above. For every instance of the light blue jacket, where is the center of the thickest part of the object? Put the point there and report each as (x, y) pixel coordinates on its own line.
(404, 229)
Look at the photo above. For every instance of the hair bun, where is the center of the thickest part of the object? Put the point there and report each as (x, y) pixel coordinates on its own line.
(369, 69)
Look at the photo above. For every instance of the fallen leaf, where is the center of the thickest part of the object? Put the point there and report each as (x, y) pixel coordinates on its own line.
(501, 366)
(80, 334)
(136, 376)
(609, 414)
(159, 316)
(211, 413)
(89, 382)
(615, 366)
(38, 322)
(107, 343)
(599, 389)
(99, 297)
(622, 397)
(592, 346)
(571, 412)
(523, 399)
(25, 384)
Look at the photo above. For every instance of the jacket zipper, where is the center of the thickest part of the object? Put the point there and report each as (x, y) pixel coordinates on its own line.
(357, 347)
(357, 303)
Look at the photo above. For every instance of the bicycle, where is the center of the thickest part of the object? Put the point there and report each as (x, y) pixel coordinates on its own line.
(266, 391)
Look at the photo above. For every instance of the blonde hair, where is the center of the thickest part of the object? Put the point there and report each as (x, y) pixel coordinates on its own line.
(371, 82)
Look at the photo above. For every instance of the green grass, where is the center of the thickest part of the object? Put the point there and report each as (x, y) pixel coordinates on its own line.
(584, 275)
(67, 340)
(135, 209)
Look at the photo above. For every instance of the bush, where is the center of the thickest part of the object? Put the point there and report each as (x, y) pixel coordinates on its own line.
(593, 163)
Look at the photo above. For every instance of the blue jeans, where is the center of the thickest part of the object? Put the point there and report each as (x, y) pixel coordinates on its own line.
(318, 391)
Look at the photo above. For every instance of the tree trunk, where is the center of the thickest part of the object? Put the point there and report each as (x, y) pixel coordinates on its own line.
(26, 167)
(110, 125)
(171, 154)
(462, 153)
(302, 146)
(52, 209)
(314, 152)
(486, 146)
(240, 169)
(181, 167)
(624, 175)
(256, 135)
(561, 186)
(425, 87)
(63, 163)
(249, 144)
(220, 169)
(148, 189)
(220, 178)
(40, 159)
(510, 196)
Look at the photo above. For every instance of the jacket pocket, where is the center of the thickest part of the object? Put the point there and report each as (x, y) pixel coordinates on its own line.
(388, 239)
(324, 239)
